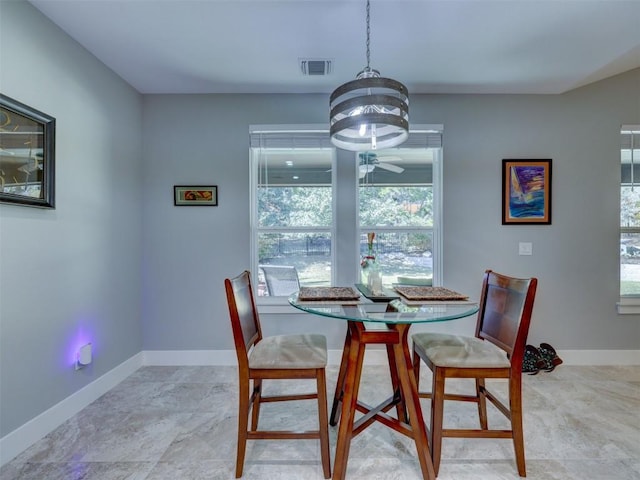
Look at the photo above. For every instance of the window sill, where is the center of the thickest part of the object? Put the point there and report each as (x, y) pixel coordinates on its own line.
(628, 306)
(275, 305)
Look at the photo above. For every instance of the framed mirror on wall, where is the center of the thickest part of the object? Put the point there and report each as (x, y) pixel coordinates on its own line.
(27, 155)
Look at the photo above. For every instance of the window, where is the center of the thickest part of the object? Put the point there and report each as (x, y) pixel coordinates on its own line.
(399, 202)
(292, 218)
(306, 226)
(630, 211)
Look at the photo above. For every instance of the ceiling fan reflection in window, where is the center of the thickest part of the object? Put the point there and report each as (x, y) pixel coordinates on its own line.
(369, 161)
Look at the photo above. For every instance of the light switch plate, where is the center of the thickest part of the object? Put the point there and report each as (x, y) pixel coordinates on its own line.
(525, 248)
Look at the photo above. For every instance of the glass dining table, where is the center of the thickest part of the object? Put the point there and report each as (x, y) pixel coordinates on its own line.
(382, 324)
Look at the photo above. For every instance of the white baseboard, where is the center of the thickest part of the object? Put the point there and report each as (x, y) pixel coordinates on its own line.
(600, 357)
(374, 357)
(23, 437)
(189, 357)
(228, 357)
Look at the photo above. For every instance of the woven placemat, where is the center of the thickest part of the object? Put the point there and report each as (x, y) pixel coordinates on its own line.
(327, 293)
(430, 293)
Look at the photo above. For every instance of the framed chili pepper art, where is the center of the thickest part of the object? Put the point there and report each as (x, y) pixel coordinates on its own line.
(195, 195)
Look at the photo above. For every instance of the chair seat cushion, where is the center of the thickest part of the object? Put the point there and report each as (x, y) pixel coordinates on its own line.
(290, 351)
(445, 350)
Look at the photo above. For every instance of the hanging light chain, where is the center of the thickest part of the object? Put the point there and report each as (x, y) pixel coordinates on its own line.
(368, 34)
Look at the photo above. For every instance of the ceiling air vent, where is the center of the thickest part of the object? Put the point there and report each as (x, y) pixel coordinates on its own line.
(315, 66)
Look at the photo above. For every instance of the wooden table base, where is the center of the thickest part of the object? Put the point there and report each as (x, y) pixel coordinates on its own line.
(408, 420)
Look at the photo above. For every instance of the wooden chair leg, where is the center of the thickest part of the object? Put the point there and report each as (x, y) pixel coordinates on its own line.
(482, 403)
(437, 413)
(243, 423)
(323, 423)
(416, 369)
(257, 398)
(515, 401)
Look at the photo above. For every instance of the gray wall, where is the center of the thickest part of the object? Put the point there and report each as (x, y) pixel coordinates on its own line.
(72, 274)
(575, 258)
(116, 257)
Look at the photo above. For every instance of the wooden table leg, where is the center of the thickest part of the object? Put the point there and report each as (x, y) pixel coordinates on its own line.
(404, 385)
(337, 398)
(351, 385)
(409, 391)
(401, 411)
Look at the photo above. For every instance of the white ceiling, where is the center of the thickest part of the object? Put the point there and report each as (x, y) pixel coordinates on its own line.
(433, 46)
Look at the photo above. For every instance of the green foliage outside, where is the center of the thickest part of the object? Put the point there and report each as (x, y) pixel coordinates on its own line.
(297, 207)
(630, 207)
(629, 288)
(294, 206)
(379, 206)
(629, 242)
(396, 206)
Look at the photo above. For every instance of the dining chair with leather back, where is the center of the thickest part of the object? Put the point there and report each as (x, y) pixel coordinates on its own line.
(496, 351)
(302, 356)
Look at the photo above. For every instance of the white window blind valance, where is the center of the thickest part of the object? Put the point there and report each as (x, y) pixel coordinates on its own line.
(630, 136)
(277, 140)
(630, 155)
(309, 136)
(423, 139)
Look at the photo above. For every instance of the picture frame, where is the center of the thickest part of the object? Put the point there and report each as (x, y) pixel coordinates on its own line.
(526, 192)
(195, 195)
(27, 155)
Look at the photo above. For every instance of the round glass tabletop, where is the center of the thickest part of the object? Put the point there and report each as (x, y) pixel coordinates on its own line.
(396, 311)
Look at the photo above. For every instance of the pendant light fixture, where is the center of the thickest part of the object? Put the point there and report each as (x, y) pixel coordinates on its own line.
(369, 112)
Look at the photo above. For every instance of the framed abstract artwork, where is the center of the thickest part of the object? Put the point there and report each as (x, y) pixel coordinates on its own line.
(526, 192)
(27, 155)
(195, 195)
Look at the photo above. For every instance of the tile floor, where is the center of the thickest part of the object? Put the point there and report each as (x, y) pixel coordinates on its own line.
(173, 423)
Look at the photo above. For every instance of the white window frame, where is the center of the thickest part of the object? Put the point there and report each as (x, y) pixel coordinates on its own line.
(628, 304)
(421, 135)
(291, 131)
(432, 134)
